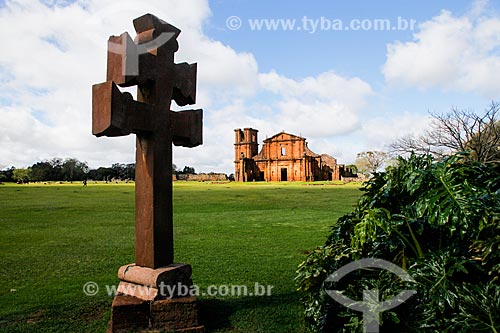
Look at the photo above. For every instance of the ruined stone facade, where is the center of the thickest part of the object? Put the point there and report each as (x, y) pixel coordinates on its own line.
(283, 157)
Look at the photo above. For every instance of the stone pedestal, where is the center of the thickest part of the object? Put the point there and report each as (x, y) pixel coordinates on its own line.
(154, 300)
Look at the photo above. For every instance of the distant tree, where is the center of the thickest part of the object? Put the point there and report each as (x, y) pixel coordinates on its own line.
(22, 175)
(130, 171)
(119, 170)
(457, 131)
(57, 169)
(100, 173)
(369, 162)
(92, 174)
(391, 161)
(188, 170)
(74, 170)
(42, 171)
(174, 169)
(353, 167)
(6, 175)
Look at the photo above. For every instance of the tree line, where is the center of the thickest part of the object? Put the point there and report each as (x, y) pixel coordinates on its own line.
(451, 132)
(71, 169)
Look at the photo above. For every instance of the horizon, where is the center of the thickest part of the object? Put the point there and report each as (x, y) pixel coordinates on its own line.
(348, 77)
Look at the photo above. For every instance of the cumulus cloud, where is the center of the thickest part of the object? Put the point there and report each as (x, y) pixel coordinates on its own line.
(52, 53)
(378, 132)
(454, 53)
(321, 106)
(373, 133)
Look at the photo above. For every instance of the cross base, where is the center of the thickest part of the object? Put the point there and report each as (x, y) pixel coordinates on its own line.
(155, 300)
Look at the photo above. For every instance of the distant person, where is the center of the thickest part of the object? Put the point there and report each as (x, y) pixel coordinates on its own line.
(85, 183)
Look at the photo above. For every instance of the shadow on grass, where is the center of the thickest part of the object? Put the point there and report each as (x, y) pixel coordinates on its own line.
(73, 316)
(260, 312)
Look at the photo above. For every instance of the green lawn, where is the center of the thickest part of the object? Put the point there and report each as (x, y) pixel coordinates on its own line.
(55, 238)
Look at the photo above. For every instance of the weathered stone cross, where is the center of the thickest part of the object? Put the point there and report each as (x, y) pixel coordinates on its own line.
(149, 63)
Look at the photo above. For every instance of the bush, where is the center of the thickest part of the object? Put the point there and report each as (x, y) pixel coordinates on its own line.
(440, 222)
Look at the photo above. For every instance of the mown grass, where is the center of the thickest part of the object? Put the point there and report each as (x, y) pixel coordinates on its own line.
(55, 238)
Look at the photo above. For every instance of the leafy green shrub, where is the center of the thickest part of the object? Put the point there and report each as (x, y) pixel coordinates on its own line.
(439, 220)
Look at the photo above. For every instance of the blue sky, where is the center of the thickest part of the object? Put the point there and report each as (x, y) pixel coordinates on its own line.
(300, 54)
(345, 91)
(351, 53)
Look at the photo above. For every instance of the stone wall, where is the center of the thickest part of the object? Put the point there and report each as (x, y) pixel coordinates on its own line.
(202, 177)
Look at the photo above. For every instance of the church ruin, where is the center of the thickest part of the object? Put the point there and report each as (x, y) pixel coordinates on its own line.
(283, 157)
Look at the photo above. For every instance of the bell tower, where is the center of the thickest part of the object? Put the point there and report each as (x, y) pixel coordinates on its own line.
(245, 143)
(245, 147)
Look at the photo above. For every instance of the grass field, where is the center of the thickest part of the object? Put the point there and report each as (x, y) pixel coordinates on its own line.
(55, 238)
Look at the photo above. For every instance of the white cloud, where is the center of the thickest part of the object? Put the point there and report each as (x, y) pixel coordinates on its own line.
(450, 52)
(52, 54)
(374, 133)
(321, 106)
(378, 132)
(478, 8)
(326, 86)
(54, 51)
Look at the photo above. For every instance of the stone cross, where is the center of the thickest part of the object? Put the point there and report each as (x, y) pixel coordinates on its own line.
(148, 63)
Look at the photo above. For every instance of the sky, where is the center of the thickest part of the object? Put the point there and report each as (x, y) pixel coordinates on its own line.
(324, 69)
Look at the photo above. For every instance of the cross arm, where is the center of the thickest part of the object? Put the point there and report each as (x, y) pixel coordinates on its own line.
(185, 84)
(132, 62)
(123, 60)
(117, 114)
(187, 128)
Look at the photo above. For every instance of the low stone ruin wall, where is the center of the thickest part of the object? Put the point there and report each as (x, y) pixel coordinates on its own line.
(202, 177)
